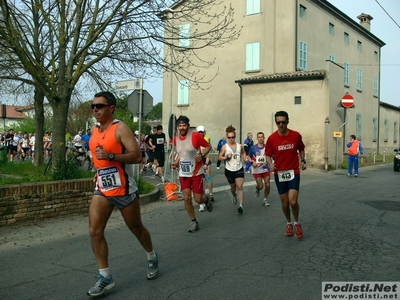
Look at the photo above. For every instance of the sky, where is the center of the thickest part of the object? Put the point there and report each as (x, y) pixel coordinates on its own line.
(382, 26)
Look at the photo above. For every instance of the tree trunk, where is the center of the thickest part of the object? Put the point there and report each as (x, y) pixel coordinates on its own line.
(60, 112)
(39, 122)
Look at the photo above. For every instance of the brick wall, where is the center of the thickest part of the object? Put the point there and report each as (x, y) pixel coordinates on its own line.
(27, 202)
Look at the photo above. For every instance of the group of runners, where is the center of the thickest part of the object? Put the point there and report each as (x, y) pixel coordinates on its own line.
(282, 155)
(115, 150)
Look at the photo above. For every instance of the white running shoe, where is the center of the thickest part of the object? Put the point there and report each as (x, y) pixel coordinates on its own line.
(202, 207)
(266, 203)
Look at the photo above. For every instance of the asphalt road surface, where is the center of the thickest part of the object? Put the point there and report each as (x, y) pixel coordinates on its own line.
(351, 233)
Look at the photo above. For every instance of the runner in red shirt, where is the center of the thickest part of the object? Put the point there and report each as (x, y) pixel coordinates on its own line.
(286, 148)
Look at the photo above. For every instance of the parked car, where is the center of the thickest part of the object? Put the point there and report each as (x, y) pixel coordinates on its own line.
(396, 160)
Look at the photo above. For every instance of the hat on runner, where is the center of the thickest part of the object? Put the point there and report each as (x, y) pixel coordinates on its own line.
(200, 128)
(137, 132)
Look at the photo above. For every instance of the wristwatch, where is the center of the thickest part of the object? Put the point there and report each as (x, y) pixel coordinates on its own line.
(111, 156)
(303, 161)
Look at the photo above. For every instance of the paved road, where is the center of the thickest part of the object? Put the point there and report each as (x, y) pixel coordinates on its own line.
(351, 228)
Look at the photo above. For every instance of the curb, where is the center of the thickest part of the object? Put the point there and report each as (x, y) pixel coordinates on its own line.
(150, 197)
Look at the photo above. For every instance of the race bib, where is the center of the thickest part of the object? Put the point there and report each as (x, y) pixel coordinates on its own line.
(108, 178)
(160, 141)
(287, 175)
(186, 168)
(261, 159)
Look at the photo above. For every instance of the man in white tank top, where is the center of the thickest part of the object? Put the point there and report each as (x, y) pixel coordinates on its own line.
(190, 163)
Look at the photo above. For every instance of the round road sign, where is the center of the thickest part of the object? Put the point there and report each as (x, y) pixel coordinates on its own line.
(347, 101)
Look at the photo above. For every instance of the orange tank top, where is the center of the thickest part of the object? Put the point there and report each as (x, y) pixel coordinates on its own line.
(113, 178)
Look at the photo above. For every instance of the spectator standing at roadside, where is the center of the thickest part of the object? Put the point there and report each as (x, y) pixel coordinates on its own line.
(286, 147)
(355, 148)
(114, 151)
(9, 142)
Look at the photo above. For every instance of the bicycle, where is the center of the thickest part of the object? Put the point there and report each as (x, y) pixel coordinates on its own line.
(73, 157)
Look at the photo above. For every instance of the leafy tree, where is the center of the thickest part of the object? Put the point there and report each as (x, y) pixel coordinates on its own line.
(53, 44)
(156, 112)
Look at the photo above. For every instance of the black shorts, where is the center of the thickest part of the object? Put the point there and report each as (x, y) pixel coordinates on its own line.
(284, 187)
(231, 176)
(151, 156)
(160, 156)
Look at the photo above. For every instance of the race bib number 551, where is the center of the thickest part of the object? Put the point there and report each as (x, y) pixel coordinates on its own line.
(285, 175)
(108, 178)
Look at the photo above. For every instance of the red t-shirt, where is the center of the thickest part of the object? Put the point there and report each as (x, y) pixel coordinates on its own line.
(284, 150)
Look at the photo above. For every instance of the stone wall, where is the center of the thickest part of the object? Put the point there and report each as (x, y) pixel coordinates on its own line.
(27, 202)
(34, 201)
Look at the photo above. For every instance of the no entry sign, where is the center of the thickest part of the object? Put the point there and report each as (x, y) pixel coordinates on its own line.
(347, 101)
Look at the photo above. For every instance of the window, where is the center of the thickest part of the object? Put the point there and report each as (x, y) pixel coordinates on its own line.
(303, 12)
(375, 86)
(358, 126)
(395, 132)
(331, 29)
(183, 92)
(359, 80)
(331, 58)
(386, 130)
(253, 7)
(253, 56)
(303, 56)
(346, 38)
(359, 46)
(375, 133)
(346, 74)
(184, 35)
(375, 56)
(297, 99)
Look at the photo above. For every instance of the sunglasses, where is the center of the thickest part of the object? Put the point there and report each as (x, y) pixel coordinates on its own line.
(281, 122)
(230, 137)
(98, 105)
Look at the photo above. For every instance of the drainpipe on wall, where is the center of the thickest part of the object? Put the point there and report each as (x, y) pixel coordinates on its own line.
(296, 34)
(240, 111)
(379, 104)
(327, 122)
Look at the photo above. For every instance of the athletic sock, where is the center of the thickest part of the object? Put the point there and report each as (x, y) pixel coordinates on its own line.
(105, 272)
(151, 255)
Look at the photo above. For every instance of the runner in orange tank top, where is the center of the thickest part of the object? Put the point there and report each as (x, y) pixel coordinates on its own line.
(114, 151)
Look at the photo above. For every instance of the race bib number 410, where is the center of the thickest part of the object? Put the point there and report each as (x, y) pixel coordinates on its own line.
(285, 175)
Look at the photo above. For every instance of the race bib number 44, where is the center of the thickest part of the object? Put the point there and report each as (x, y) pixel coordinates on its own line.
(108, 178)
(285, 175)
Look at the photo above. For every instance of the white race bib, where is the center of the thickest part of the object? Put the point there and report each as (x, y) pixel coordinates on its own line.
(108, 178)
(287, 175)
(261, 159)
(186, 168)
